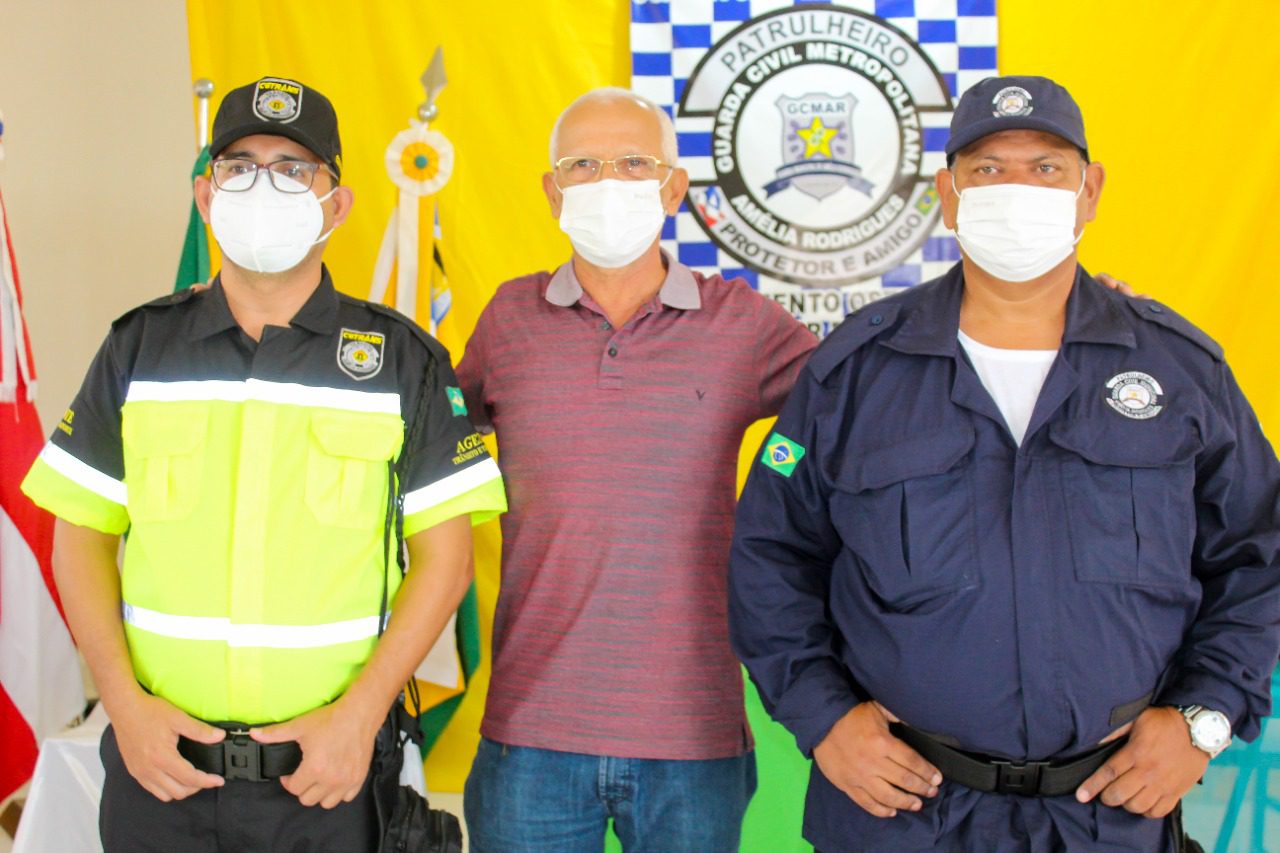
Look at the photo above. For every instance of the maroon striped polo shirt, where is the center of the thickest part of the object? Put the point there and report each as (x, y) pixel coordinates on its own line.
(619, 448)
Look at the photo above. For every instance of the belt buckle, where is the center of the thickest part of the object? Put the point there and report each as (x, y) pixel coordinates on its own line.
(1019, 777)
(242, 757)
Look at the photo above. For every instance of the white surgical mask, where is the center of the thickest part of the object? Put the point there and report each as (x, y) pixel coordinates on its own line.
(611, 222)
(1017, 232)
(265, 230)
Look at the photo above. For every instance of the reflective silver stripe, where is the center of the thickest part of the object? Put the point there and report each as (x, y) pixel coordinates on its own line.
(222, 630)
(455, 484)
(286, 393)
(227, 390)
(83, 474)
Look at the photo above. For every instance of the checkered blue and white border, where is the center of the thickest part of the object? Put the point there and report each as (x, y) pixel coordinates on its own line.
(670, 37)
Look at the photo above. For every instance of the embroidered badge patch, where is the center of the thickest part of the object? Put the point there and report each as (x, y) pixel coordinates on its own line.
(469, 448)
(456, 402)
(277, 100)
(781, 454)
(1135, 394)
(360, 353)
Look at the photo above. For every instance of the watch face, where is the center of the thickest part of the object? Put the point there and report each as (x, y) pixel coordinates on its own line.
(1211, 730)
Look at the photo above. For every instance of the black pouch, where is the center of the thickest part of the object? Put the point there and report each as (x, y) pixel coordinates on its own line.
(415, 826)
(406, 822)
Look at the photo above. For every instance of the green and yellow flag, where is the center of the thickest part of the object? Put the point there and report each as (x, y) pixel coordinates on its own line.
(193, 267)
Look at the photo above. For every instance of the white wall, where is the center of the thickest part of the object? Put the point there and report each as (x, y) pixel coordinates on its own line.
(99, 142)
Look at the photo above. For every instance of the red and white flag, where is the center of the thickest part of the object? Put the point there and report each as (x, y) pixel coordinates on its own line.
(40, 686)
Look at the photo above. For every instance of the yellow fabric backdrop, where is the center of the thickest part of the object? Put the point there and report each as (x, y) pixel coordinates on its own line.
(1179, 98)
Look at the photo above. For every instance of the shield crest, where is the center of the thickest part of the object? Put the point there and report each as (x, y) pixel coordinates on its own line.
(817, 146)
(360, 353)
(277, 99)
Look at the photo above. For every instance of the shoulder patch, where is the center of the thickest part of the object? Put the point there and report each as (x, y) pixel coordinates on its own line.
(856, 331)
(166, 301)
(782, 454)
(1154, 312)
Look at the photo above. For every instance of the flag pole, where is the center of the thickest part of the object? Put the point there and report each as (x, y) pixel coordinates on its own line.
(204, 90)
(432, 82)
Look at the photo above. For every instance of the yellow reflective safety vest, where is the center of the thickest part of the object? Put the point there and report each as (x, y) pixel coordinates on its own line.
(252, 481)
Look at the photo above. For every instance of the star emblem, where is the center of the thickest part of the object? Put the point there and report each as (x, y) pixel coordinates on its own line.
(817, 138)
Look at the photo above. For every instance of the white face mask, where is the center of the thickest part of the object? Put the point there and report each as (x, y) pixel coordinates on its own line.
(265, 230)
(1017, 232)
(611, 222)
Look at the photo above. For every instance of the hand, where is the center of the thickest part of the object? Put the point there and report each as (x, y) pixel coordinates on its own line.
(147, 729)
(337, 750)
(879, 772)
(1107, 280)
(1150, 773)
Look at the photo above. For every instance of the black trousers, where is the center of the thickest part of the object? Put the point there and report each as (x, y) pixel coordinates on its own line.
(240, 817)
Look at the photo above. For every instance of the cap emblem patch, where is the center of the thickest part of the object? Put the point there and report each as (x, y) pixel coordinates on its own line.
(277, 100)
(1011, 101)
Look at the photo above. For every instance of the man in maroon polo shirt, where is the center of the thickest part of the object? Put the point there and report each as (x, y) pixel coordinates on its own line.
(619, 387)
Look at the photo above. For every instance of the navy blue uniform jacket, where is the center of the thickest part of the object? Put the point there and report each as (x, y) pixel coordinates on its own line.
(1024, 601)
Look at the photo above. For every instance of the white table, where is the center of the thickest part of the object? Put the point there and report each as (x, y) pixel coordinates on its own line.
(61, 812)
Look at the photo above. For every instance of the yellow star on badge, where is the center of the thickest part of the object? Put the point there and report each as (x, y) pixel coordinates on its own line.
(817, 139)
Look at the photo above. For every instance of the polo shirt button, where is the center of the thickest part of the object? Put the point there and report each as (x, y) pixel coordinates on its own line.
(877, 320)
(613, 351)
(606, 326)
(1155, 309)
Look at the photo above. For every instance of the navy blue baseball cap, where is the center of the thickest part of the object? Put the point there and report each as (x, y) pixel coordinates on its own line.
(1016, 103)
(279, 107)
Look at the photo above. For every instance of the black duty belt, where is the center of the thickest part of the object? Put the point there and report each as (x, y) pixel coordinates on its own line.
(996, 775)
(240, 756)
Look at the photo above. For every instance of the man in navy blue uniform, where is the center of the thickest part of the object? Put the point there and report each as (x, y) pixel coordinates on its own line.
(1009, 567)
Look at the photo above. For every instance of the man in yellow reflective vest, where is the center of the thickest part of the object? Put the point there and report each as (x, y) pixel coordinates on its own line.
(256, 443)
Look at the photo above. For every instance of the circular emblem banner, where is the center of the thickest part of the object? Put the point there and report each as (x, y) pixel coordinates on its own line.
(819, 175)
(420, 161)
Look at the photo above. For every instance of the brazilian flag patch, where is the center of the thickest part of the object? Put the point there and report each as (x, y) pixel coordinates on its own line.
(456, 402)
(781, 454)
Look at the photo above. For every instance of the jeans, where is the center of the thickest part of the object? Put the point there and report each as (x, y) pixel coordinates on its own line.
(524, 800)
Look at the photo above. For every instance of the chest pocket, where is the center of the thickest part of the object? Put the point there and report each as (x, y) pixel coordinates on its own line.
(1129, 492)
(164, 458)
(347, 458)
(908, 512)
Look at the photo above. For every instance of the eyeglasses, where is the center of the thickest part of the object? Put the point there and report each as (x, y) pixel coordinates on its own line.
(288, 176)
(570, 171)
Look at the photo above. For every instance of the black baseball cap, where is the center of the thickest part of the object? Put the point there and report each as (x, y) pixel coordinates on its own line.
(1016, 103)
(280, 107)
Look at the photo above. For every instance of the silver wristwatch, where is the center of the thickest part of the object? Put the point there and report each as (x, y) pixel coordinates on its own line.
(1210, 730)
